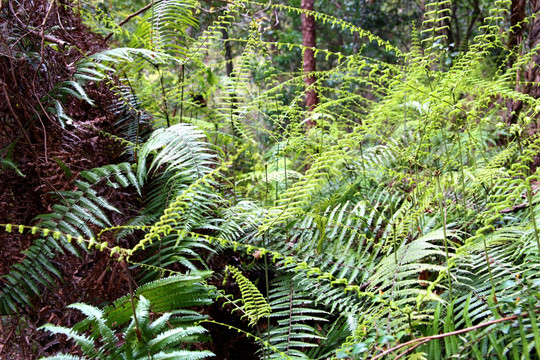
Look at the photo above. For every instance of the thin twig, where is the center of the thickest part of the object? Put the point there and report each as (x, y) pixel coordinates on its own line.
(42, 53)
(411, 349)
(21, 127)
(131, 16)
(132, 299)
(49, 38)
(6, 341)
(440, 336)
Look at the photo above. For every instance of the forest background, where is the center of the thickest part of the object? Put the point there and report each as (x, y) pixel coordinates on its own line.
(312, 179)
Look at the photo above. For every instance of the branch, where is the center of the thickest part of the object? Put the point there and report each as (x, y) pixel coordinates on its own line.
(49, 38)
(139, 12)
(131, 16)
(426, 339)
(517, 207)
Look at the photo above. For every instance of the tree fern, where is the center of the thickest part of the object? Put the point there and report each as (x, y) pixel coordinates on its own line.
(184, 196)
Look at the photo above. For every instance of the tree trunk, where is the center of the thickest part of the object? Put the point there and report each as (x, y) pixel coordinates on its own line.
(526, 83)
(309, 42)
(532, 77)
(228, 52)
(517, 14)
(475, 16)
(230, 74)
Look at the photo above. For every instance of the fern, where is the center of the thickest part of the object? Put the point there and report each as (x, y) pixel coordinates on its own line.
(74, 216)
(295, 315)
(173, 293)
(185, 177)
(407, 213)
(141, 338)
(254, 305)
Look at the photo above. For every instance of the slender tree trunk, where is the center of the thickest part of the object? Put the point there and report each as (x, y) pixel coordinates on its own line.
(228, 52)
(532, 77)
(517, 14)
(229, 71)
(309, 41)
(526, 83)
(475, 16)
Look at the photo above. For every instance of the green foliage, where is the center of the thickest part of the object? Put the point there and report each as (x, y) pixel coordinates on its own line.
(404, 223)
(176, 292)
(296, 316)
(253, 304)
(143, 337)
(74, 217)
(7, 160)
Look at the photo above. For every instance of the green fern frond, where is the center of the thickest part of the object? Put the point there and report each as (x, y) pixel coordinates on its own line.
(294, 200)
(180, 152)
(72, 217)
(141, 338)
(163, 24)
(254, 305)
(117, 175)
(296, 317)
(84, 342)
(169, 293)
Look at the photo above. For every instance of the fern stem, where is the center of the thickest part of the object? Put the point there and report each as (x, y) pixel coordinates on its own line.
(395, 243)
(267, 288)
(137, 136)
(405, 141)
(182, 70)
(266, 180)
(266, 277)
(524, 342)
(534, 326)
(132, 299)
(533, 217)
(488, 263)
(285, 166)
(165, 105)
(364, 171)
(291, 291)
(277, 170)
(443, 215)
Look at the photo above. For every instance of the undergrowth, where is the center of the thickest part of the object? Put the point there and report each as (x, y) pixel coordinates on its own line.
(403, 224)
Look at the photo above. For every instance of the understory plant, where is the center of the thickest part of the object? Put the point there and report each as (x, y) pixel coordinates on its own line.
(402, 223)
(142, 339)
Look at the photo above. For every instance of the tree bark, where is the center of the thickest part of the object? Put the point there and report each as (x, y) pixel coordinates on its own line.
(228, 52)
(309, 39)
(517, 14)
(531, 78)
(230, 74)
